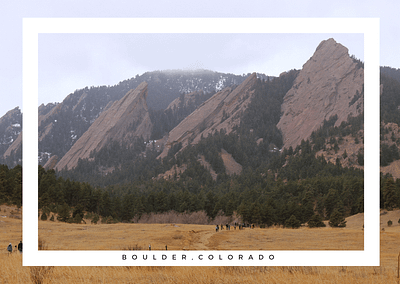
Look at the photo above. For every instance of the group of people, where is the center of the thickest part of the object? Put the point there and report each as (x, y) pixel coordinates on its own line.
(228, 227)
(10, 248)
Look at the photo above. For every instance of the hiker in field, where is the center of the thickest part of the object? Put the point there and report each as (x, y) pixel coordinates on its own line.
(149, 247)
(9, 248)
(216, 228)
(20, 247)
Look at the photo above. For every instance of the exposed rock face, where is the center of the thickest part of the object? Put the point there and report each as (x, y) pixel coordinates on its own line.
(330, 83)
(123, 121)
(232, 167)
(10, 130)
(44, 113)
(51, 163)
(221, 111)
(14, 146)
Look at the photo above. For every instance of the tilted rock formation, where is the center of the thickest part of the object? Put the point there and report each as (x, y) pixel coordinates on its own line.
(51, 163)
(44, 112)
(330, 83)
(123, 121)
(14, 146)
(44, 118)
(221, 111)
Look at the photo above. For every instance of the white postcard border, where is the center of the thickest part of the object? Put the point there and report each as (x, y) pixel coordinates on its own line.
(32, 27)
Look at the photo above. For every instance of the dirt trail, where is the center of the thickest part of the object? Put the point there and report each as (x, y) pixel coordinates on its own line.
(198, 240)
(205, 239)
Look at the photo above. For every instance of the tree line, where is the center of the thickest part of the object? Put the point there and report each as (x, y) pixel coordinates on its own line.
(258, 197)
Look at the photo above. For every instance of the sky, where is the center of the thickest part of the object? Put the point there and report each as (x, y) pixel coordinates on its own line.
(72, 61)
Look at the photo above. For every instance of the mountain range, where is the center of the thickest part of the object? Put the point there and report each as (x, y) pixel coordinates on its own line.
(169, 111)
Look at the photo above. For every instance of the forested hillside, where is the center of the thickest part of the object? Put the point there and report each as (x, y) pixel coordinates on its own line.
(288, 187)
(11, 185)
(391, 72)
(390, 116)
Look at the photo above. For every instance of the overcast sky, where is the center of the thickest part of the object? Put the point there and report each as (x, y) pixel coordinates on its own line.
(72, 61)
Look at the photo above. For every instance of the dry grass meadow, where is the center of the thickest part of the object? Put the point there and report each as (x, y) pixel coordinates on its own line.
(59, 236)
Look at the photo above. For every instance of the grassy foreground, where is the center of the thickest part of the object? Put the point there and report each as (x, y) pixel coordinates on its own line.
(197, 237)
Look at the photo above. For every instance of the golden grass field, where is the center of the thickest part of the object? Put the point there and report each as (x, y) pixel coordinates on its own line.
(59, 236)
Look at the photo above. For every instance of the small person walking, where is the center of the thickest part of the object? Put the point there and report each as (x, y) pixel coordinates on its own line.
(9, 248)
(20, 247)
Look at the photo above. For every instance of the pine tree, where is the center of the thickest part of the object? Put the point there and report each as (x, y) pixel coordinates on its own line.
(330, 201)
(389, 197)
(316, 221)
(292, 222)
(44, 216)
(344, 154)
(63, 213)
(337, 219)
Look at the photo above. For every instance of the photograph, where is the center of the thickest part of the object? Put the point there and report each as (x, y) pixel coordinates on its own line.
(206, 158)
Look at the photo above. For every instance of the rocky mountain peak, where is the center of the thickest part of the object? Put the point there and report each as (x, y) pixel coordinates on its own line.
(124, 120)
(330, 83)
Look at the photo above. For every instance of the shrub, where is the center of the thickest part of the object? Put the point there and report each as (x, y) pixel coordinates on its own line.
(316, 221)
(95, 219)
(390, 223)
(337, 219)
(292, 222)
(77, 219)
(44, 216)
